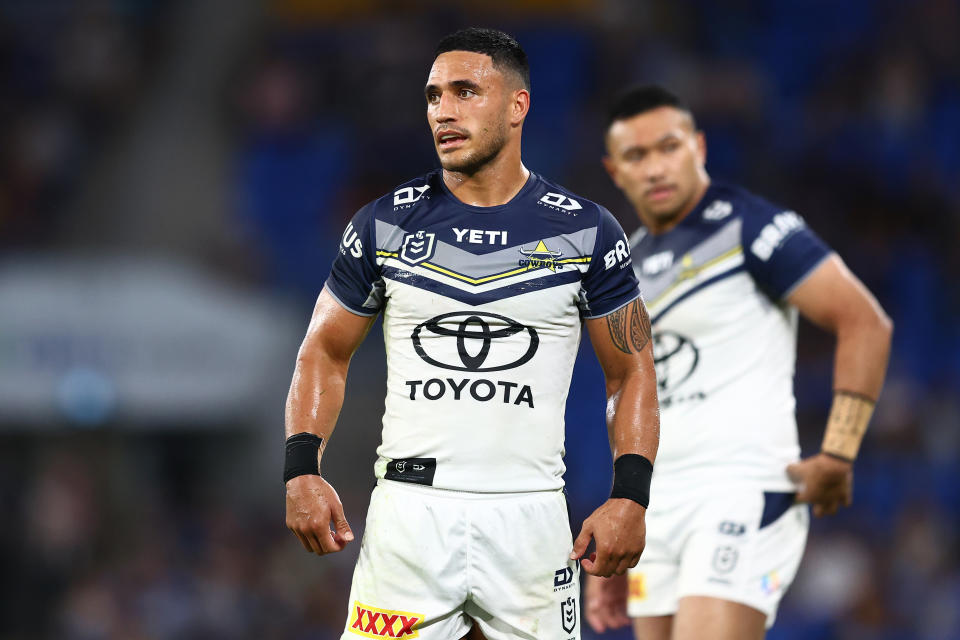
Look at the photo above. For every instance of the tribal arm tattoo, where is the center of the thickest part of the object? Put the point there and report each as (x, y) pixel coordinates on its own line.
(629, 327)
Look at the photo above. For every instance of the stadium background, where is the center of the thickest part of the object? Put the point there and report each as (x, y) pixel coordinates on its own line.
(174, 179)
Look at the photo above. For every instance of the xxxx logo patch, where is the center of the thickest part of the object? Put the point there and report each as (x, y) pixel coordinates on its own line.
(371, 622)
(638, 586)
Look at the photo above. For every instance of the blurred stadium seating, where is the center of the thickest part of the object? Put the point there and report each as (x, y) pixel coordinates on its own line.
(174, 178)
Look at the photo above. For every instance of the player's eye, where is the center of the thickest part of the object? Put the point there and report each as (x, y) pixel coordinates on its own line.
(671, 146)
(466, 93)
(433, 98)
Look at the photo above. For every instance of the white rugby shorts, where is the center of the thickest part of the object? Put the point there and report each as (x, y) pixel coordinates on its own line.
(432, 560)
(743, 545)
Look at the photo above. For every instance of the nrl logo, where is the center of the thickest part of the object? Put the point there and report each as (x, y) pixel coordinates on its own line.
(418, 247)
(540, 257)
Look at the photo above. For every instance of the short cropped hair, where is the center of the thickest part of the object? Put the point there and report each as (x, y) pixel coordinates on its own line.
(640, 99)
(506, 52)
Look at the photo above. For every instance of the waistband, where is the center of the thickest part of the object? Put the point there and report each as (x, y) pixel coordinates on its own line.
(463, 495)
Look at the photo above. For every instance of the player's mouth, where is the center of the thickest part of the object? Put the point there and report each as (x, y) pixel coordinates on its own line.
(660, 193)
(449, 139)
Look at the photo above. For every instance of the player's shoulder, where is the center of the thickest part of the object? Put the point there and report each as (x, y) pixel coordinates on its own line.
(724, 201)
(727, 201)
(403, 197)
(557, 198)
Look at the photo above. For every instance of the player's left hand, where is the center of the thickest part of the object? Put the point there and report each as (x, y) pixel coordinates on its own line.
(825, 482)
(619, 529)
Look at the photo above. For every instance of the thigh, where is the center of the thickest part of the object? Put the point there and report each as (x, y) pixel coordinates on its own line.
(522, 583)
(701, 617)
(653, 583)
(653, 627)
(409, 580)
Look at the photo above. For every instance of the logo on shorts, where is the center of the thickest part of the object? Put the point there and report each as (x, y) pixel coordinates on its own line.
(562, 579)
(475, 333)
(371, 622)
(637, 586)
(730, 528)
(770, 583)
(568, 614)
(725, 559)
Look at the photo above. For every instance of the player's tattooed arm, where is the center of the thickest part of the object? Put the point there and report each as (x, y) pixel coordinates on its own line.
(629, 327)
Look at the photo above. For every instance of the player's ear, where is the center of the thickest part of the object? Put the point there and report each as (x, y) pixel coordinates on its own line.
(701, 147)
(520, 106)
(611, 168)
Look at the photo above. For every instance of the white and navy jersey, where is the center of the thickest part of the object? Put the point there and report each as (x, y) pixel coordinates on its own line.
(481, 321)
(725, 339)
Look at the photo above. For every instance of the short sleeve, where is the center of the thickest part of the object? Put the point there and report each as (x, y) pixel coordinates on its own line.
(609, 282)
(355, 279)
(780, 251)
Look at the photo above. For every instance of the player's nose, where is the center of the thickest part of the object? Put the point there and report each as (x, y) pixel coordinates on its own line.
(654, 170)
(445, 109)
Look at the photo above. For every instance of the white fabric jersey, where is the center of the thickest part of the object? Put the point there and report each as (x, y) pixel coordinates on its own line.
(481, 319)
(725, 340)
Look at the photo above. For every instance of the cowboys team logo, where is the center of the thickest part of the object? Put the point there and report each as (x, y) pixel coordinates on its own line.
(540, 257)
(418, 247)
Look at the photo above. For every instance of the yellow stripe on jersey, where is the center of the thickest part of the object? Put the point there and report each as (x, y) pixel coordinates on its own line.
(484, 279)
(692, 272)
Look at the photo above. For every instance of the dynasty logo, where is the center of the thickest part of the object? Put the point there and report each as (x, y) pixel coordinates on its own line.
(371, 622)
(562, 579)
(540, 257)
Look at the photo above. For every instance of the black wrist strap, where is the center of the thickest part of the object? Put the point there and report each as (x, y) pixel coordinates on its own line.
(301, 457)
(631, 478)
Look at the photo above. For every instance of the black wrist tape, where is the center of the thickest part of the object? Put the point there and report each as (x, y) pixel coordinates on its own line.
(631, 478)
(301, 458)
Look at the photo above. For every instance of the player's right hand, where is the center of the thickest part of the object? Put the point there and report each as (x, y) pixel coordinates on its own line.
(824, 481)
(606, 602)
(311, 505)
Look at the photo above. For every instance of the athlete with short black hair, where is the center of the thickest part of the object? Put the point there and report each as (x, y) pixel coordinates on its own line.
(725, 273)
(484, 272)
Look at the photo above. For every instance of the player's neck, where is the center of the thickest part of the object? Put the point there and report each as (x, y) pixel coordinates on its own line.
(656, 226)
(494, 184)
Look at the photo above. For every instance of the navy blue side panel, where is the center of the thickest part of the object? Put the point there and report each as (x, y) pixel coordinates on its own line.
(775, 504)
(609, 282)
(779, 249)
(700, 287)
(474, 299)
(354, 275)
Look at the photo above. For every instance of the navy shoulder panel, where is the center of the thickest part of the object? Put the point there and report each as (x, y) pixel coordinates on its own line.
(779, 249)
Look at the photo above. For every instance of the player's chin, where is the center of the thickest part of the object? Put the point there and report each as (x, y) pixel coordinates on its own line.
(456, 161)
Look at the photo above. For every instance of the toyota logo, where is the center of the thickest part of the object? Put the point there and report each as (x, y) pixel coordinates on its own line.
(675, 358)
(480, 339)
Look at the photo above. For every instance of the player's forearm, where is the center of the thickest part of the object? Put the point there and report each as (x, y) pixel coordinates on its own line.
(316, 395)
(633, 412)
(863, 348)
